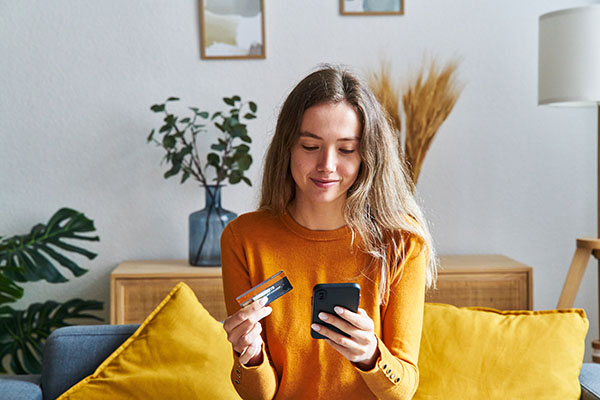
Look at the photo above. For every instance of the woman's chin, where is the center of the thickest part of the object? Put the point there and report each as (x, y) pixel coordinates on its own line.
(325, 198)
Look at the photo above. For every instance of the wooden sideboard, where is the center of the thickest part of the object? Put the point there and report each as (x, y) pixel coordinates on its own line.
(137, 287)
(493, 281)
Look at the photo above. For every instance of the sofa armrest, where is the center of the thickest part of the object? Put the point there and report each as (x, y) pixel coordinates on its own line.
(589, 378)
(74, 352)
(25, 387)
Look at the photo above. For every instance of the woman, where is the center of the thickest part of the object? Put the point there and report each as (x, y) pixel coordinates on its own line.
(335, 207)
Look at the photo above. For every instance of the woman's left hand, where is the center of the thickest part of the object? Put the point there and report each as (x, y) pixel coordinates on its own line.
(361, 346)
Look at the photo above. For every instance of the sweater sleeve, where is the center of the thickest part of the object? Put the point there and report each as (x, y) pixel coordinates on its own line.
(395, 374)
(257, 382)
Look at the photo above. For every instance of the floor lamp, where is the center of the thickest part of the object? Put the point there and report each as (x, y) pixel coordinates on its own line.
(569, 75)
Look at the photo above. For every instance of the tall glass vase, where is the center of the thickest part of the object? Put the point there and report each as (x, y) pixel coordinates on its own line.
(205, 228)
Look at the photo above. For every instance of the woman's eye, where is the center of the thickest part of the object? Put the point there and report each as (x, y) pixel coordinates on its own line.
(347, 151)
(309, 148)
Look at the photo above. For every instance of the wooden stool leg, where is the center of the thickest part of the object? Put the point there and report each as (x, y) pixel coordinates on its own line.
(574, 277)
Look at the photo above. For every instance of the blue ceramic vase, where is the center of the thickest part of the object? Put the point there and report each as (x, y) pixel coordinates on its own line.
(205, 228)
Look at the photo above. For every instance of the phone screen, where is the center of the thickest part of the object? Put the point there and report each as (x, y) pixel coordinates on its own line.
(328, 295)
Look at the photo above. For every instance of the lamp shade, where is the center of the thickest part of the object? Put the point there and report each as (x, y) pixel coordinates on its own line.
(569, 57)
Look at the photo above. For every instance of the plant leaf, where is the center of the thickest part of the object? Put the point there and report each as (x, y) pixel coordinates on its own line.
(165, 128)
(228, 162)
(64, 261)
(235, 177)
(228, 101)
(185, 176)
(173, 99)
(173, 171)
(158, 108)
(74, 249)
(24, 332)
(9, 290)
(150, 136)
(244, 161)
(253, 107)
(213, 159)
(169, 141)
(249, 116)
(239, 131)
(35, 261)
(241, 149)
(31, 257)
(170, 119)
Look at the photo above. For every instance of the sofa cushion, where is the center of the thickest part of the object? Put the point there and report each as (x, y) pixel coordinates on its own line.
(481, 353)
(23, 387)
(589, 377)
(179, 351)
(73, 352)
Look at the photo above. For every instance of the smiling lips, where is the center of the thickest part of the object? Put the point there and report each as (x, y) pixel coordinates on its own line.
(324, 183)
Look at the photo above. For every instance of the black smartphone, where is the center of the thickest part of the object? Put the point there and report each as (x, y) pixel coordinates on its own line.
(328, 295)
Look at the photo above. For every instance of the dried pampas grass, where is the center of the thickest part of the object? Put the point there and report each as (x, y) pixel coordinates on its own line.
(427, 103)
(387, 92)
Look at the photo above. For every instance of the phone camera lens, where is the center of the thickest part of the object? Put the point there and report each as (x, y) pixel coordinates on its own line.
(321, 294)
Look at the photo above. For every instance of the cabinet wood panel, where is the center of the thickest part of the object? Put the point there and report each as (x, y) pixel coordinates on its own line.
(137, 287)
(137, 298)
(504, 291)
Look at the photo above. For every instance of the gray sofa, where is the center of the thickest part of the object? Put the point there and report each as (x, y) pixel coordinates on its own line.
(72, 353)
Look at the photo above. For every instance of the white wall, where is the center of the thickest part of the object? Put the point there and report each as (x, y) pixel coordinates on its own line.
(77, 79)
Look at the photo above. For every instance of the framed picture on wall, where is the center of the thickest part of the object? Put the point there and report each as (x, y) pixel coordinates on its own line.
(232, 29)
(372, 7)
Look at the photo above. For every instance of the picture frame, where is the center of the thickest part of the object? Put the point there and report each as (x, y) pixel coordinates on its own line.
(372, 7)
(232, 29)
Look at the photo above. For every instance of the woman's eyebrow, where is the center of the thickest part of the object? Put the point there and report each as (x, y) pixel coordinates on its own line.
(312, 135)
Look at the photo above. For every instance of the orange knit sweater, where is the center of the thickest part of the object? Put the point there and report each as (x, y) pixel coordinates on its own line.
(295, 366)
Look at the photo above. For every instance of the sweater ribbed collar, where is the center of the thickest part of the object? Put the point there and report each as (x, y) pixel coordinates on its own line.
(310, 234)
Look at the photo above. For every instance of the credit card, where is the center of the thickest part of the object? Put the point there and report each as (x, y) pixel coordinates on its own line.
(272, 288)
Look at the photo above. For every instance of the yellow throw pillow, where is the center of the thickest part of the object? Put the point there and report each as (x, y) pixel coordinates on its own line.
(481, 353)
(179, 352)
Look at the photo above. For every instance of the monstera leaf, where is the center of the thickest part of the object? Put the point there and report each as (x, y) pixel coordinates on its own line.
(9, 291)
(34, 256)
(23, 333)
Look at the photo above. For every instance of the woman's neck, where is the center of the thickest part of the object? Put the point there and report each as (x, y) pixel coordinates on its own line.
(324, 217)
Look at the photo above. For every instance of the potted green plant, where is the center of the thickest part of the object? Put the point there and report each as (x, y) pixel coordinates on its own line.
(33, 257)
(181, 137)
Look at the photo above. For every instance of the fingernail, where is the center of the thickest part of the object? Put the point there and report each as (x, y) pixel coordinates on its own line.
(269, 310)
(338, 310)
(323, 316)
(316, 327)
(263, 301)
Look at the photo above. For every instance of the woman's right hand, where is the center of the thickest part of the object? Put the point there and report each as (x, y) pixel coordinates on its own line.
(243, 331)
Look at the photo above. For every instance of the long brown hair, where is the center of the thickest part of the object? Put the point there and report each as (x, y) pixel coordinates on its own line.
(380, 202)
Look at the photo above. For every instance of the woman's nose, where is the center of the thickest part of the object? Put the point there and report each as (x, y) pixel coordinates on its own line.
(327, 161)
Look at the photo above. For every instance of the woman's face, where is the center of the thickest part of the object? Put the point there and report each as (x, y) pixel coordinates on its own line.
(325, 160)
